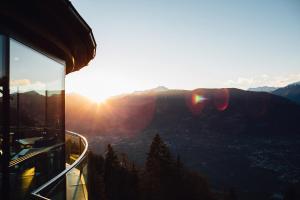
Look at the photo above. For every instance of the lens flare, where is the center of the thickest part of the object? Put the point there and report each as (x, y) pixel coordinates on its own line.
(221, 99)
(196, 100)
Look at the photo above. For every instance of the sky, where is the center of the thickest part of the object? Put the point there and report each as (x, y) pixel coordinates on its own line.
(188, 44)
(50, 77)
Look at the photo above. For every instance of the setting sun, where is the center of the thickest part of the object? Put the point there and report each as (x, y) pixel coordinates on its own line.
(96, 97)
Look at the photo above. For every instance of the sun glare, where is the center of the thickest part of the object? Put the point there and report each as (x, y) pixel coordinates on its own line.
(96, 97)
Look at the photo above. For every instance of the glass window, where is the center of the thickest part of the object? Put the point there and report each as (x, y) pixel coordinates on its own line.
(36, 117)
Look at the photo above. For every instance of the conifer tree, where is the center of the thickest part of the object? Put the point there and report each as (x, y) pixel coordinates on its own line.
(111, 171)
(166, 178)
(159, 157)
(111, 158)
(96, 184)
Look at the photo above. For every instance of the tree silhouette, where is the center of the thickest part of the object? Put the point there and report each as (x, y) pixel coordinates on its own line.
(159, 157)
(120, 177)
(96, 184)
(165, 178)
(157, 168)
(111, 169)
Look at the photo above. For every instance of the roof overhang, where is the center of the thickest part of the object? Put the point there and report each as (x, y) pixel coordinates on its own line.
(52, 26)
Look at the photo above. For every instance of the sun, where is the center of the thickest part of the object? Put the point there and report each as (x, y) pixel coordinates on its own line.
(98, 85)
(96, 97)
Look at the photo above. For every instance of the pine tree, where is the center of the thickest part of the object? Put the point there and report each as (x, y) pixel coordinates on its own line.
(121, 181)
(159, 168)
(96, 184)
(111, 170)
(166, 178)
(111, 158)
(159, 157)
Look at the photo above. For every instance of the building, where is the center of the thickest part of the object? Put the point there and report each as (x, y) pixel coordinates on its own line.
(40, 42)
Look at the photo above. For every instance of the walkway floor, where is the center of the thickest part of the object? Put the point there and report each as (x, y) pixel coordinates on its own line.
(76, 187)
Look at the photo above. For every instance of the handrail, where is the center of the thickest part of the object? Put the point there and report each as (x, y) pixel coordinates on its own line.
(36, 192)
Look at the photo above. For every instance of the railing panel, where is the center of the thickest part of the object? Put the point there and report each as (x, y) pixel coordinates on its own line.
(72, 182)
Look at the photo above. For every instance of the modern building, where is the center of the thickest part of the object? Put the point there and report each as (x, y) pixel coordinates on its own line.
(40, 42)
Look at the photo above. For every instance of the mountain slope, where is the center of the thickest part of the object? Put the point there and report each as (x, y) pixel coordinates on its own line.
(238, 139)
(245, 112)
(263, 89)
(291, 92)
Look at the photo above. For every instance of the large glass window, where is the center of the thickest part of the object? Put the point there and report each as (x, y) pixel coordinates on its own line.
(36, 117)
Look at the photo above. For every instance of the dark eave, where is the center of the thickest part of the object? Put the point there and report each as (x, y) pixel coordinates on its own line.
(52, 26)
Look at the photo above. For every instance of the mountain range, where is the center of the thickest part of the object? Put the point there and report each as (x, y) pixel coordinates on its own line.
(238, 139)
(291, 91)
(263, 89)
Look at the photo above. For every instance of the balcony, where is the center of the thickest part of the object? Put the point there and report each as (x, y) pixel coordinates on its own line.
(72, 182)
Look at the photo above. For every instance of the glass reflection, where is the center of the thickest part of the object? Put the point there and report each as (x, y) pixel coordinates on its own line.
(36, 118)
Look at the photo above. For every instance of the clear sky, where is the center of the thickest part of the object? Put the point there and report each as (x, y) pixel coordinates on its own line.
(188, 44)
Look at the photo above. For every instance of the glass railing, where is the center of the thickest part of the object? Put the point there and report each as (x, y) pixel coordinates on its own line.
(72, 182)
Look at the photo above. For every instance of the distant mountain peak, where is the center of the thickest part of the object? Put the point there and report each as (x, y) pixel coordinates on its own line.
(160, 89)
(263, 89)
(293, 84)
(156, 89)
(291, 91)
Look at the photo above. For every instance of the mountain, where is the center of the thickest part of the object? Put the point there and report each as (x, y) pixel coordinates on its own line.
(238, 139)
(291, 92)
(157, 89)
(32, 108)
(263, 89)
(166, 107)
(296, 83)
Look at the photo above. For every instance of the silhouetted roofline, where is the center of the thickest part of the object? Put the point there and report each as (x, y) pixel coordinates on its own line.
(52, 26)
